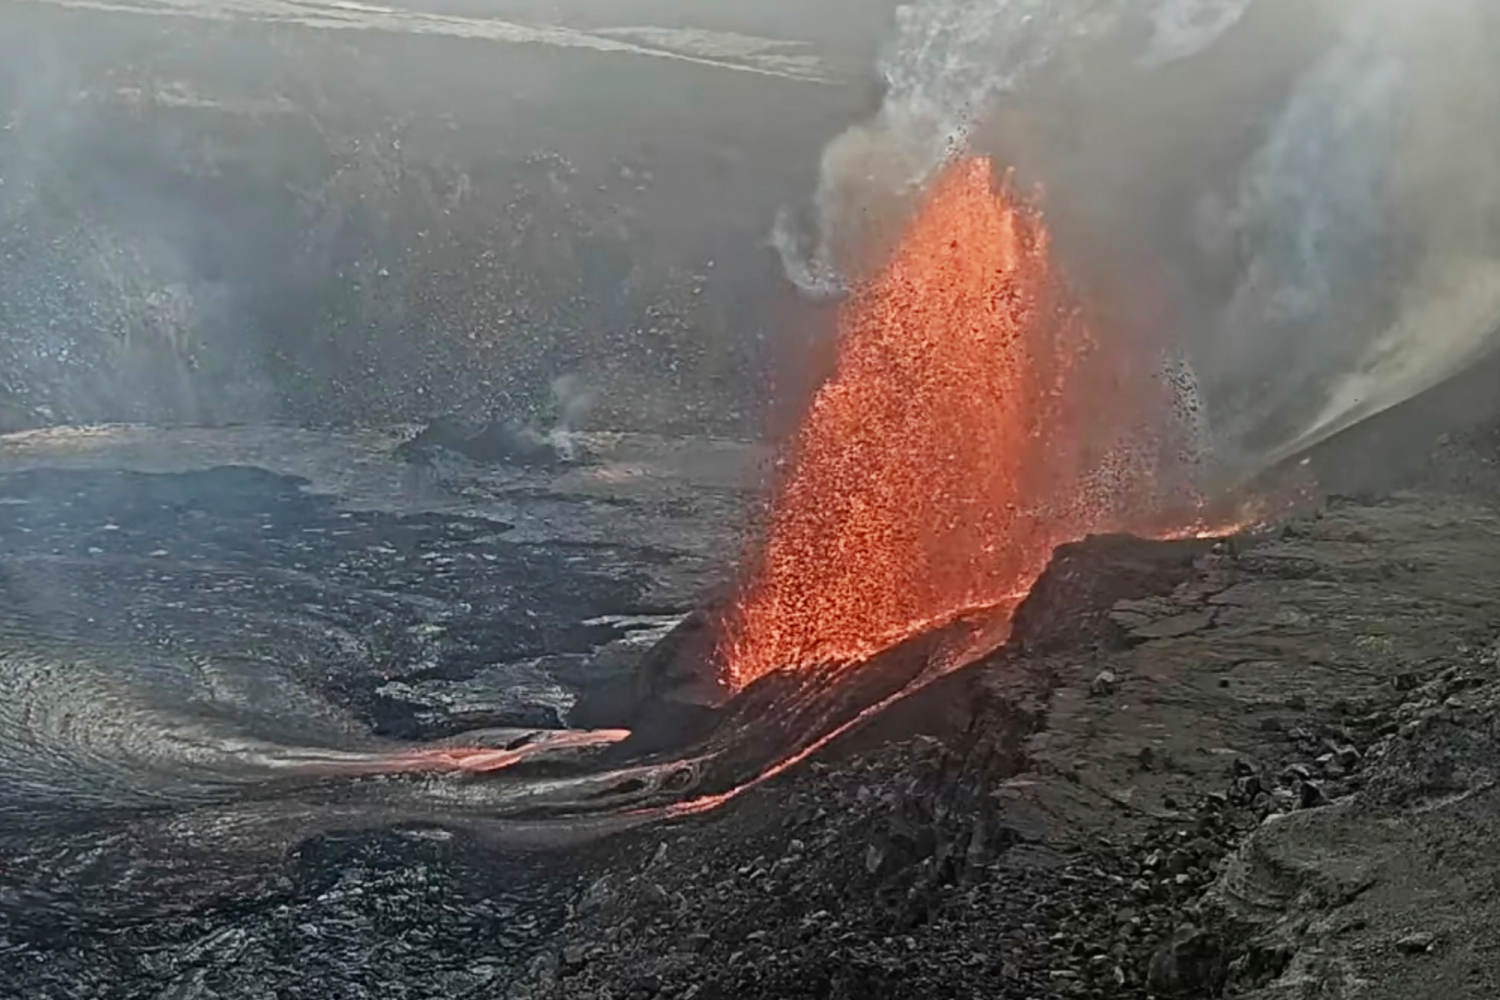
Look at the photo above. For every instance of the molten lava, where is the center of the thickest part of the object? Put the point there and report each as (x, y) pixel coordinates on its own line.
(972, 423)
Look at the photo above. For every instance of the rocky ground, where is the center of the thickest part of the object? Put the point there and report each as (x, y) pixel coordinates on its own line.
(167, 594)
(1273, 774)
(1265, 767)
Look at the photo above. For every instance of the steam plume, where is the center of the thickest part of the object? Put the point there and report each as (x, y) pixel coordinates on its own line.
(945, 67)
(572, 401)
(1302, 199)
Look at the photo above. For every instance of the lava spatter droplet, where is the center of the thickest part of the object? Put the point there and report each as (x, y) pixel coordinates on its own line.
(973, 423)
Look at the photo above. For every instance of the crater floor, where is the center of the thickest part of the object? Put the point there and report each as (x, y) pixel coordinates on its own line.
(1259, 768)
(1268, 771)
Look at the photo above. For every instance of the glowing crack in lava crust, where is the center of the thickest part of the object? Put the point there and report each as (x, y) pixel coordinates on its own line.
(973, 422)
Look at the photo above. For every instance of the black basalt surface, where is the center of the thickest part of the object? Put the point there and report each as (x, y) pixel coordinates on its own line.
(243, 563)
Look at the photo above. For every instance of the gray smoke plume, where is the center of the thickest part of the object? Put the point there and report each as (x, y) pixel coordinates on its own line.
(1302, 199)
(947, 64)
(572, 402)
(1372, 214)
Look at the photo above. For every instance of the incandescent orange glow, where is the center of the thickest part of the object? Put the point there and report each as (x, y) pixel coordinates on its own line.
(973, 423)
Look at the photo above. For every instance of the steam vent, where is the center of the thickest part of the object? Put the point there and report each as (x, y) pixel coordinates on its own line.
(895, 500)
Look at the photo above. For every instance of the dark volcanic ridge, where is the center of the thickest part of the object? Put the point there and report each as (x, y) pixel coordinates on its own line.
(1252, 768)
(1255, 771)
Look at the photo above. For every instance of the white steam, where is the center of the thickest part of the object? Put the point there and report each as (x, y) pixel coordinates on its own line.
(1369, 221)
(1187, 27)
(573, 401)
(1310, 225)
(1320, 193)
(945, 66)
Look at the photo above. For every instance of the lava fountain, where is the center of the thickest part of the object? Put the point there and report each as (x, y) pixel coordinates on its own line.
(973, 422)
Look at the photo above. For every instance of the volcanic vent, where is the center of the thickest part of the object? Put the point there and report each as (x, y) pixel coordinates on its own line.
(974, 422)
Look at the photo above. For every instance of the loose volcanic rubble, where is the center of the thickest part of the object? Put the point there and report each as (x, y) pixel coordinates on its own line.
(1275, 777)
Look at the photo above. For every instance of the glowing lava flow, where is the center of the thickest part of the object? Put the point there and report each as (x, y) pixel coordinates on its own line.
(972, 424)
(484, 760)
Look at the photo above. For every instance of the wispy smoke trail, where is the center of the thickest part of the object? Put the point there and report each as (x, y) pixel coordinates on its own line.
(573, 401)
(1310, 226)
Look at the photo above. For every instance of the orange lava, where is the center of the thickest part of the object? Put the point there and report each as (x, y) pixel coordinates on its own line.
(483, 760)
(973, 423)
